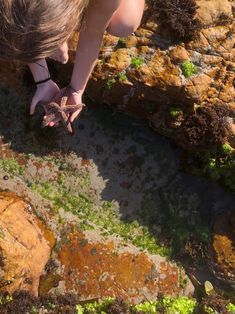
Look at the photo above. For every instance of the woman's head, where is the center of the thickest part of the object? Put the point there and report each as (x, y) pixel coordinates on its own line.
(32, 29)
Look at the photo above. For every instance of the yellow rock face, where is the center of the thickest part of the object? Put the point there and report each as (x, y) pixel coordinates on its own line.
(25, 247)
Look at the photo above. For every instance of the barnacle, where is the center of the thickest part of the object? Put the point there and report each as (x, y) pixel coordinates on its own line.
(205, 128)
(179, 16)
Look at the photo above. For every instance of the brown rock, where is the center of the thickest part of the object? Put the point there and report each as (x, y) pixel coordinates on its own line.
(25, 247)
(119, 60)
(96, 269)
(197, 87)
(212, 12)
(223, 247)
(159, 79)
(179, 54)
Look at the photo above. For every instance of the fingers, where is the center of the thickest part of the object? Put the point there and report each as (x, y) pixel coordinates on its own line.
(75, 114)
(57, 97)
(33, 106)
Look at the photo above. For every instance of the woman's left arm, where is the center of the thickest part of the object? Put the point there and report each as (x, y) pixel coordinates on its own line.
(97, 18)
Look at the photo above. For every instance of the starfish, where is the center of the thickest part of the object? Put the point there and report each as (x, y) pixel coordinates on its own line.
(60, 112)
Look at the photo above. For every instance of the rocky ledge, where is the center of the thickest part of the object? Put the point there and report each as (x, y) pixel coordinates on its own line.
(84, 265)
(177, 73)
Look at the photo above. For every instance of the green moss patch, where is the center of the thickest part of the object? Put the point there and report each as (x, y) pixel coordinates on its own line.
(189, 69)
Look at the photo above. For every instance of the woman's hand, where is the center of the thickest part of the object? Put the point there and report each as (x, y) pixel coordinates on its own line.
(44, 93)
(74, 98)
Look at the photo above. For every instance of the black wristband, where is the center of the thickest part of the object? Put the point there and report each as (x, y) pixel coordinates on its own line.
(43, 81)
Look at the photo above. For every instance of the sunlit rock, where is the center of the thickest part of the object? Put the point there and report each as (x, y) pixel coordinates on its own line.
(25, 245)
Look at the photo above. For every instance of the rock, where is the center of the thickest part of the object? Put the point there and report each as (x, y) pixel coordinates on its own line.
(146, 69)
(25, 245)
(159, 78)
(98, 269)
(223, 247)
(179, 54)
(214, 12)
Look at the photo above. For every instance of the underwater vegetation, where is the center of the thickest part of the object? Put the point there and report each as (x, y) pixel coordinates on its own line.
(216, 165)
(179, 16)
(206, 128)
(22, 302)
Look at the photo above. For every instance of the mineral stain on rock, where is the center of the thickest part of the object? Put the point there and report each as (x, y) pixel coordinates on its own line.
(23, 245)
(100, 270)
(223, 247)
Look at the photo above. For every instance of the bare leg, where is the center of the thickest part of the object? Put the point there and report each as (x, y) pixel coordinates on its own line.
(61, 54)
(127, 18)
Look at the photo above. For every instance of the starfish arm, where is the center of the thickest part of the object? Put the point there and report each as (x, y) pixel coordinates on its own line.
(72, 108)
(63, 102)
(66, 123)
(53, 106)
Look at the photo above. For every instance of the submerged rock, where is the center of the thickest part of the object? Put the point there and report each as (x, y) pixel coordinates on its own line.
(25, 245)
(223, 247)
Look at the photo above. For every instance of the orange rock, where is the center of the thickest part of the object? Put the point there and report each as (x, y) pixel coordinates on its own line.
(97, 269)
(159, 79)
(213, 11)
(179, 54)
(223, 247)
(23, 245)
(197, 87)
(119, 60)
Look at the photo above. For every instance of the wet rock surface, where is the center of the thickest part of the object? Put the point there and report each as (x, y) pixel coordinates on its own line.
(116, 184)
(108, 193)
(223, 247)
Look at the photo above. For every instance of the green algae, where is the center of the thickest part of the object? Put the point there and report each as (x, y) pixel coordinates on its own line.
(216, 165)
(188, 68)
(110, 83)
(122, 77)
(137, 62)
(103, 216)
(11, 166)
(167, 305)
(175, 112)
(180, 305)
(226, 148)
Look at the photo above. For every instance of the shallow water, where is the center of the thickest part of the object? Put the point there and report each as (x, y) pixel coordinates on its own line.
(131, 166)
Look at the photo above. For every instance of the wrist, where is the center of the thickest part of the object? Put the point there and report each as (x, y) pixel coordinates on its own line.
(45, 84)
(75, 90)
(40, 82)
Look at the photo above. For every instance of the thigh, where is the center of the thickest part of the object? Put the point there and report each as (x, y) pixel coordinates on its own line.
(128, 15)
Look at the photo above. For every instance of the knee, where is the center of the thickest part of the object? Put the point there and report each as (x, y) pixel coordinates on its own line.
(121, 30)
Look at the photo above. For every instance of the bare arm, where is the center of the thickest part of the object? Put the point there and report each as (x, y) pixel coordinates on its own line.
(39, 70)
(44, 91)
(98, 16)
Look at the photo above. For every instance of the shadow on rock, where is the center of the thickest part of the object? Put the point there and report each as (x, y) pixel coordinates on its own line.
(140, 174)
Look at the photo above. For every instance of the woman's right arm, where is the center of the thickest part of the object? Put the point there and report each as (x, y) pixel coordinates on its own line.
(45, 91)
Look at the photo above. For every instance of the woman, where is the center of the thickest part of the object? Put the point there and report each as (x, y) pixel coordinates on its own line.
(33, 30)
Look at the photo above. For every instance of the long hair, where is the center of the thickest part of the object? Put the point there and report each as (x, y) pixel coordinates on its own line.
(32, 29)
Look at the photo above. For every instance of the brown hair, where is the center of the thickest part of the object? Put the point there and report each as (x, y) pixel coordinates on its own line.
(32, 29)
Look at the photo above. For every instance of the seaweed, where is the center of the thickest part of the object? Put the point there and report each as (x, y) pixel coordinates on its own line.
(214, 303)
(205, 129)
(179, 16)
(117, 307)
